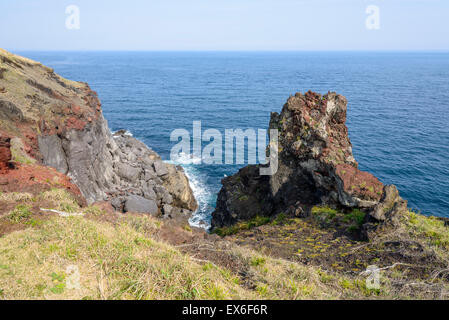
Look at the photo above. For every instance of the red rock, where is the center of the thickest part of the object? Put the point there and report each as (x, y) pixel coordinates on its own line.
(5, 153)
(76, 109)
(75, 123)
(359, 183)
(313, 131)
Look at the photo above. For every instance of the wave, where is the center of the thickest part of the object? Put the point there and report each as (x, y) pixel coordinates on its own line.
(201, 218)
(122, 131)
(185, 159)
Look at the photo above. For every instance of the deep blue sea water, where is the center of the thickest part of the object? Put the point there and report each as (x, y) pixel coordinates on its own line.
(398, 105)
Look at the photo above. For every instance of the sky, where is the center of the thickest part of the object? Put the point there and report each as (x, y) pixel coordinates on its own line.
(236, 25)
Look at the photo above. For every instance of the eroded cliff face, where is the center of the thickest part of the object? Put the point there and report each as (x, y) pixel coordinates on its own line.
(58, 123)
(5, 154)
(316, 167)
(314, 142)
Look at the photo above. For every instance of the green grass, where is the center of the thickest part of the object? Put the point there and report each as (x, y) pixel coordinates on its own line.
(324, 213)
(124, 261)
(355, 218)
(257, 261)
(243, 225)
(127, 260)
(318, 210)
(430, 228)
(17, 153)
(94, 210)
(280, 219)
(55, 198)
(19, 158)
(114, 263)
(20, 213)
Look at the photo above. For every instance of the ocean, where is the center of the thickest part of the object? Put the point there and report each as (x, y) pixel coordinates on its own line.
(398, 106)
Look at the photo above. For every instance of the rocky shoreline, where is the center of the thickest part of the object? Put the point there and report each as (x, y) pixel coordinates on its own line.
(311, 230)
(50, 121)
(58, 123)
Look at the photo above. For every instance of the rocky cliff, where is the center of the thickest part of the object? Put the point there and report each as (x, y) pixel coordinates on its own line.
(316, 167)
(46, 120)
(306, 246)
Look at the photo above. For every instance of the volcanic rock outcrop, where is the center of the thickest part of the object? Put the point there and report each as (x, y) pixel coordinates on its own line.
(58, 123)
(5, 153)
(316, 167)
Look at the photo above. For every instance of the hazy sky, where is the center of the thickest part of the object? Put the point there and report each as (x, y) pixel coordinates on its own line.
(224, 25)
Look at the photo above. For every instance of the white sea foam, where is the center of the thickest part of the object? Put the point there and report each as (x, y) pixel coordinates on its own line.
(201, 217)
(127, 133)
(185, 159)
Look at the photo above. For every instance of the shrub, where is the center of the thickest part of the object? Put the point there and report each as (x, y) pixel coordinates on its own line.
(243, 225)
(20, 213)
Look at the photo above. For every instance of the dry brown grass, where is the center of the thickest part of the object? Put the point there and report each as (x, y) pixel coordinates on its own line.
(114, 263)
(125, 262)
(15, 196)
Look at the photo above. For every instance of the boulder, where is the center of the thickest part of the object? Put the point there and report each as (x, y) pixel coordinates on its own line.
(53, 153)
(178, 186)
(8, 110)
(167, 209)
(149, 174)
(160, 168)
(128, 172)
(139, 204)
(164, 195)
(117, 203)
(243, 196)
(386, 214)
(148, 192)
(390, 204)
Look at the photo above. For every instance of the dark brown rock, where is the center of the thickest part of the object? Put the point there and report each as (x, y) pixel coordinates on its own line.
(5, 153)
(316, 166)
(243, 196)
(386, 214)
(390, 204)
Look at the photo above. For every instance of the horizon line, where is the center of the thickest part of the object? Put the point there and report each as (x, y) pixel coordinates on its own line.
(239, 51)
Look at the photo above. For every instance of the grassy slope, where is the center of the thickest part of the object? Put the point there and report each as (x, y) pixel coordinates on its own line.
(126, 260)
(122, 260)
